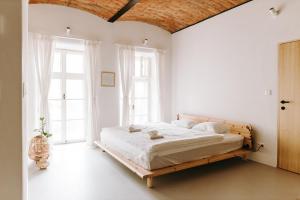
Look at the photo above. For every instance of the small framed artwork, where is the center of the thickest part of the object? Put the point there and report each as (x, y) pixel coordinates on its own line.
(107, 79)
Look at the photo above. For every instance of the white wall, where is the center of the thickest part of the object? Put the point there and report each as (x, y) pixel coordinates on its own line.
(10, 99)
(52, 19)
(222, 66)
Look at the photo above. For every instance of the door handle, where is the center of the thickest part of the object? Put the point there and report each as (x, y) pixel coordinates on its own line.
(284, 102)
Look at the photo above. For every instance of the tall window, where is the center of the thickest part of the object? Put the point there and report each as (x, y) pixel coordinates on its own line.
(67, 96)
(142, 88)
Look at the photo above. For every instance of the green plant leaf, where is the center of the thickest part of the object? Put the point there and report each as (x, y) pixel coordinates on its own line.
(41, 130)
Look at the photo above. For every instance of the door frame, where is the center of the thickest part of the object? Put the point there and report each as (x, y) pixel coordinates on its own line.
(278, 100)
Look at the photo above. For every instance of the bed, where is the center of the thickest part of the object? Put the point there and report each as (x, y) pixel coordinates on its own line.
(180, 148)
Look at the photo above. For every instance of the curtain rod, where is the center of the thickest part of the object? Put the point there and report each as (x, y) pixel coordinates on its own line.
(74, 38)
(59, 36)
(69, 38)
(66, 37)
(141, 47)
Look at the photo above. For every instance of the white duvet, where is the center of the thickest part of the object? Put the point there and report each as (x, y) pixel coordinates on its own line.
(139, 148)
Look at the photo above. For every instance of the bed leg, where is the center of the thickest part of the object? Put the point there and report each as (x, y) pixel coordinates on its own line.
(149, 182)
(245, 156)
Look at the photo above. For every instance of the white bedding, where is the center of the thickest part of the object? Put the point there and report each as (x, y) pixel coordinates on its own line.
(142, 150)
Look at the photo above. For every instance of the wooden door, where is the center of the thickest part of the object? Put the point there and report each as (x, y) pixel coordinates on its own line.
(289, 107)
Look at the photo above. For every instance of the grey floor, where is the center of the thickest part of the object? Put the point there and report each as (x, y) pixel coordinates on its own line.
(77, 172)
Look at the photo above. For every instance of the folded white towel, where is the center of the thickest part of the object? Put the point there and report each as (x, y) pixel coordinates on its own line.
(135, 128)
(154, 135)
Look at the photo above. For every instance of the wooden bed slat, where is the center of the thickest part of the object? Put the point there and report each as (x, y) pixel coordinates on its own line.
(179, 167)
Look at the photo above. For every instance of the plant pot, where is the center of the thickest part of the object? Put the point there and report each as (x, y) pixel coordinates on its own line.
(39, 151)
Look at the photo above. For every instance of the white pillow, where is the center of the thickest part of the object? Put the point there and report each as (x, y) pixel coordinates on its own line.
(183, 123)
(200, 127)
(216, 127)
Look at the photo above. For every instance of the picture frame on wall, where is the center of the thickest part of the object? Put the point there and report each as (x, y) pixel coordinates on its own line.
(107, 79)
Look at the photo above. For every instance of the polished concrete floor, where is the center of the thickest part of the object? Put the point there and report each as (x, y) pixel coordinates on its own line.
(78, 172)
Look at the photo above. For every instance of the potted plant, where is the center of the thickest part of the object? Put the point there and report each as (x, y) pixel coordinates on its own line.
(39, 146)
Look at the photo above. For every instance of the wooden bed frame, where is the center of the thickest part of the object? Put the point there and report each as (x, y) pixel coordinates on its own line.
(234, 127)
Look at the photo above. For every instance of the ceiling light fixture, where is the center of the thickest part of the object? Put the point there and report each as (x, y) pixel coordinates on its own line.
(273, 11)
(145, 42)
(68, 30)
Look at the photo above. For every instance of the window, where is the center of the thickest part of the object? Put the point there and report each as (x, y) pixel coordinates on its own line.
(142, 88)
(67, 97)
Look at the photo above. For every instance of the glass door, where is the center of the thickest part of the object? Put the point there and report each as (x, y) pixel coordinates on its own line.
(67, 97)
(141, 91)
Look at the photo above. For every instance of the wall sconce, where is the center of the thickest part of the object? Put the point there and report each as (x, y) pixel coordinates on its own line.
(274, 12)
(68, 30)
(145, 42)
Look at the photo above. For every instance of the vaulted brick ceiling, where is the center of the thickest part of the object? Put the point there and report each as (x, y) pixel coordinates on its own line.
(171, 15)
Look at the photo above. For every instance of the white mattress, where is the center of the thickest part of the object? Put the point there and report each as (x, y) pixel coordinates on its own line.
(178, 145)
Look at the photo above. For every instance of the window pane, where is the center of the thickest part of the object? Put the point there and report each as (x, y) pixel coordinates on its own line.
(75, 89)
(56, 62)
(141, 107)
(145, 66)
(141, 89)
(142, 66)
(140, 119)
(75, 109)
(56, 131)
(75, 129)
(55, 107)
(55, 89)
(74, 63)
(137, 66)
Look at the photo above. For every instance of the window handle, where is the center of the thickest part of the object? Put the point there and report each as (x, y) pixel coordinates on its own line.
(132, 107)
(64, 96)
(284, 102)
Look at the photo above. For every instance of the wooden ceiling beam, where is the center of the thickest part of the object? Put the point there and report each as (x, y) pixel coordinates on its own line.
(123, 10)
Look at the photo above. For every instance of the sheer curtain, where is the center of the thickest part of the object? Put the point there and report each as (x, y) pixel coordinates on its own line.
(126, 64)
(156, 101)
(42, 53)
(92, 64)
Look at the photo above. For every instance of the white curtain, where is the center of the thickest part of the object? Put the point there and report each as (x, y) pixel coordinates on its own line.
(92, 64)
(156, 101)
(160, 62)
(42, 53)
(126, 63)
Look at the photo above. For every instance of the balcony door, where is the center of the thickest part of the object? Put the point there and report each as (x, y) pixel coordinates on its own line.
(67, 97)
(142, 90)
